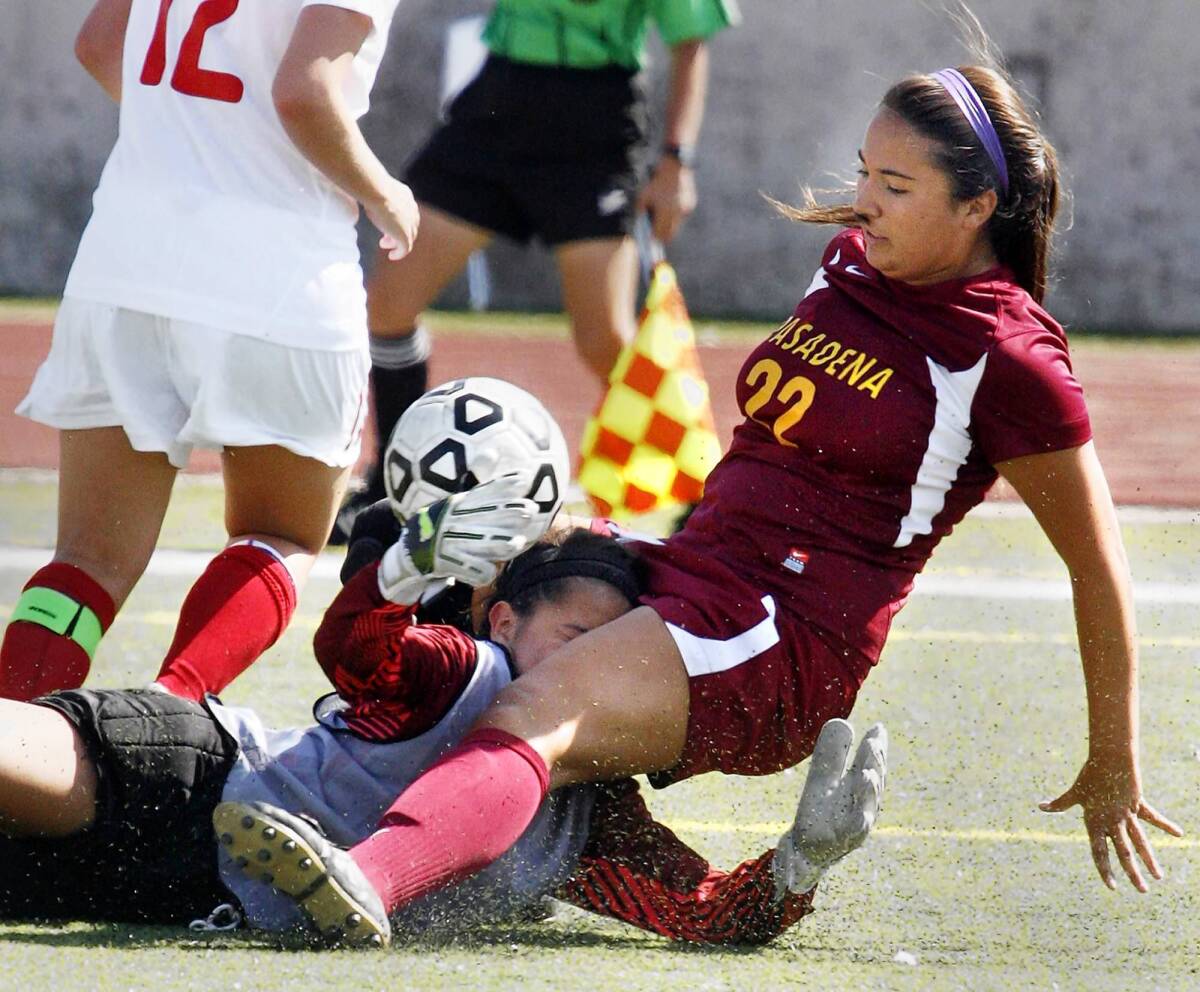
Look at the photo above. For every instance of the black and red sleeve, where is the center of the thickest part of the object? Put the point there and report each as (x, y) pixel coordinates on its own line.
(636, 870)
(398, 677)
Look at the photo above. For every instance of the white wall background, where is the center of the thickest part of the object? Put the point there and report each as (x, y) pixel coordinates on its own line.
(792, 90)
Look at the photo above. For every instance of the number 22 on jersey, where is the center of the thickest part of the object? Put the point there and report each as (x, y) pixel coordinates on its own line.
(798, 392)
(188, 77)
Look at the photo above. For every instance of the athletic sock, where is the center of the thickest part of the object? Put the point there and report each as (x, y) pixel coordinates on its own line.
(53, 632)
(399, 377)
(458, 817)
(236, 610)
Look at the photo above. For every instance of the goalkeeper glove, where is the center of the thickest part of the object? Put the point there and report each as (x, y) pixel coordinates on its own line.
(462, 537)
(837, 808)
(375, 530)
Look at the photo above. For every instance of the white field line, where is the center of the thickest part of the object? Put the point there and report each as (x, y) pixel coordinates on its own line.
(164, 562)
(1002, 509)
(188, 564)
(994, 587)
(773, 830)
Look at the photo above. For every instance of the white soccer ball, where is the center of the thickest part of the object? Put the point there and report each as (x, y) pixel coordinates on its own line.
(469, 431)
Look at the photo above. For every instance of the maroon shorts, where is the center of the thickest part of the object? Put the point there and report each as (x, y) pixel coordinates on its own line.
(763, 681)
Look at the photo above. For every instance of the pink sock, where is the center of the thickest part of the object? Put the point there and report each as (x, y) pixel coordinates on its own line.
(458, 817)
(235, 611)
(58, 621)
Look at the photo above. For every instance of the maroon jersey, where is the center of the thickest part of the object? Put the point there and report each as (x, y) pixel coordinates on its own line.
(874, 418)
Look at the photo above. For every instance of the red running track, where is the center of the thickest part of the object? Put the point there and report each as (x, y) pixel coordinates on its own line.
(1144, 400)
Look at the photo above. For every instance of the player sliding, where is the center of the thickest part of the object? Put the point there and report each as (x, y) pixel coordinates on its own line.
(118, 787)
(918, 365)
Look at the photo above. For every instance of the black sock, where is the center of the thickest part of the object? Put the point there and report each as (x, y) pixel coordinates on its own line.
(399, 377)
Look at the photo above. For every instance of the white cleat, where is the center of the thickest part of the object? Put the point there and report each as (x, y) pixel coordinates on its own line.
(837, 808)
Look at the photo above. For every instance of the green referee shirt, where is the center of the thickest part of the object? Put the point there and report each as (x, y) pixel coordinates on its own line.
(590, 34)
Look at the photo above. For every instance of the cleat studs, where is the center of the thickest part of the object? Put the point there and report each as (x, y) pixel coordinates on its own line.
(248, 822)
(268, 833)
(241, 861)
(376, 940)
(267, 877)
(264, 855)
(289, 846)
(353, 920)
(305, 864)
(227, 839)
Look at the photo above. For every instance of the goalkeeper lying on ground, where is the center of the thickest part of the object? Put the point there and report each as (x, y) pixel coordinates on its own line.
(107, 797)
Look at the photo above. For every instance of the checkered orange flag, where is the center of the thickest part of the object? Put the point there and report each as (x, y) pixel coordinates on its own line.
(652, 441)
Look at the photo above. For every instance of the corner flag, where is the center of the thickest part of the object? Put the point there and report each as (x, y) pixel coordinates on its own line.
(652, 441)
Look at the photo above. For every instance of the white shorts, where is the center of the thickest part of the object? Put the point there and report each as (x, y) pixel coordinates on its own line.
(173, 385)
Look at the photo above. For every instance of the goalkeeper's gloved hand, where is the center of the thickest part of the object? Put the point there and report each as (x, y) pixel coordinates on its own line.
(462, 537)
(375, 530)
(837, 808)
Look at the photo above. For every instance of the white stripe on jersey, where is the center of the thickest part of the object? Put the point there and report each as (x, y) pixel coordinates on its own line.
(819, 281)
(947, 450)
(707, 656)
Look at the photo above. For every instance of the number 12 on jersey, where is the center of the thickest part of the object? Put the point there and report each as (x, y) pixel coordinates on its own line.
(188, 77)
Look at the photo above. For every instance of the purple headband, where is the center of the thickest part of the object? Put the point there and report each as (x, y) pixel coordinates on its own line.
(959, 87)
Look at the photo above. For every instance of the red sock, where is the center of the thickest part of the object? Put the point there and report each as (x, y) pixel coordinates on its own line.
(235, 611)
(458, 817)
(57, 623)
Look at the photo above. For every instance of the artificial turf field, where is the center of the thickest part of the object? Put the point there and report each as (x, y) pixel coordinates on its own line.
(964, 884)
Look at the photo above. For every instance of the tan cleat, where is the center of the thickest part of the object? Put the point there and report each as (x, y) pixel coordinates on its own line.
(271, 845)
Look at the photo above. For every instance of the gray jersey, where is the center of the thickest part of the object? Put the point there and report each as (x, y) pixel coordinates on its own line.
(346, 783)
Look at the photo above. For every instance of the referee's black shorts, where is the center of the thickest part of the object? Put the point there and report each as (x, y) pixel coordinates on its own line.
(541, 151)
(150, 857)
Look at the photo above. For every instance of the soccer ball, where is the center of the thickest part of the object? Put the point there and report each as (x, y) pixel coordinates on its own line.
(469, 431)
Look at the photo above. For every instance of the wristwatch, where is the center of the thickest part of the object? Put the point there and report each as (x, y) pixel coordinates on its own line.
(685, 155)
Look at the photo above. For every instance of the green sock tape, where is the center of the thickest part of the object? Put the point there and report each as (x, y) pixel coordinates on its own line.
(55, 611)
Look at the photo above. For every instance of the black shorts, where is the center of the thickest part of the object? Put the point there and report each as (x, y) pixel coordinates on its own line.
(539, 150)
(150, 857)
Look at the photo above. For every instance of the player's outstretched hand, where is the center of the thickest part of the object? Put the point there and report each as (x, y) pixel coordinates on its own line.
(397, 218)
(1109, 790)
(838, 806)
(463, 536)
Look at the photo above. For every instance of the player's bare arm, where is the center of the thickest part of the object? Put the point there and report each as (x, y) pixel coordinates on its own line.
(1068, 494)
(308, 98)
(101, 41)
(670, 195)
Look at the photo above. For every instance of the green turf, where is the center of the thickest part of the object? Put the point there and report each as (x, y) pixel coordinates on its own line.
(984, 705)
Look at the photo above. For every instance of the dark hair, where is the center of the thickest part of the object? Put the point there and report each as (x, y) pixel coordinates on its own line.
(1020, 230)
(546, 571)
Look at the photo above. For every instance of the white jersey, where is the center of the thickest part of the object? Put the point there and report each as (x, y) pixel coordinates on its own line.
(206, 211)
